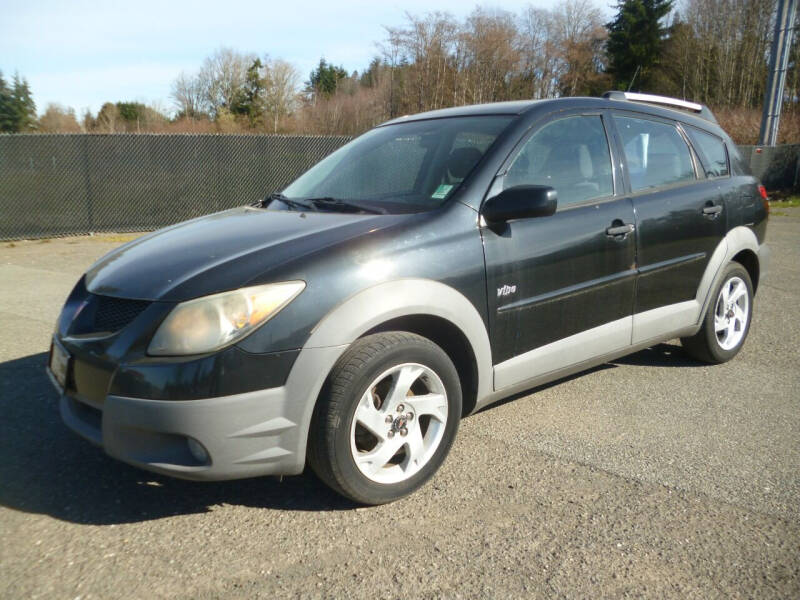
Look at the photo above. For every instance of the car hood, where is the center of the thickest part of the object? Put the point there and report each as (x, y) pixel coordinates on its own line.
(223, 251)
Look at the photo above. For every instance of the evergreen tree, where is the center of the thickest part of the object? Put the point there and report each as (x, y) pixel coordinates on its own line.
(324, 79)
(635, 41)
(249, 100)
(24, 106)
(8, 119)
(17, 108)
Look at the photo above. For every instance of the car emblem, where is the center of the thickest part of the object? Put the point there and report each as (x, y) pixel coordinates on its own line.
(506, 290)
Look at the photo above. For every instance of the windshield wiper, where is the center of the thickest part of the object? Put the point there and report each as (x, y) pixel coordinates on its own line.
(287, 201)
(336, 203)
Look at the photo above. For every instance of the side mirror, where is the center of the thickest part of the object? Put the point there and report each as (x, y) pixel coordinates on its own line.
(520, 202)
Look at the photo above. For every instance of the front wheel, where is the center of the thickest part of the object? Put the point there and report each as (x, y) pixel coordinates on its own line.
(386, 419)
(727, 320)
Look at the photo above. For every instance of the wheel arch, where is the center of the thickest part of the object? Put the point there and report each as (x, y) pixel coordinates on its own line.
(426, 307)
(749, 260)
(740, 245)
(407, 303)
(449, 338)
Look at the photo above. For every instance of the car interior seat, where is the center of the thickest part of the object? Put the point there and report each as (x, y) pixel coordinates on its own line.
(461, 161)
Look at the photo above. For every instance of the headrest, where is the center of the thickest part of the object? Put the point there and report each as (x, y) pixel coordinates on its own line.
(461, 161)
(521, 164)
(565, 161)
(666, 166)
(585, 161)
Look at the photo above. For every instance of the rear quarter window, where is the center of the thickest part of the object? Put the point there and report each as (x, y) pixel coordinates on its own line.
(712, 152)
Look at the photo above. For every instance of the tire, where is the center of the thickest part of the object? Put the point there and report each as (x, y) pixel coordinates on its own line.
(724, 330)
(362, 442)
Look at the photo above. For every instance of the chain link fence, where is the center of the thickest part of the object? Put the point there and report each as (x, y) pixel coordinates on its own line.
(778, 167)
(72, 184)
(53, 185)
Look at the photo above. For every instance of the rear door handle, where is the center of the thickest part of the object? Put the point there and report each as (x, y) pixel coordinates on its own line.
(620, 230)
(712, 211)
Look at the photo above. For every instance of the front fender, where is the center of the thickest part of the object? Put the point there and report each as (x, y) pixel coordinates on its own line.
(369, 308)
(366, 310)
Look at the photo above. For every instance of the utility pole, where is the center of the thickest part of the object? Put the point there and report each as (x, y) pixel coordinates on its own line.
(778, 61)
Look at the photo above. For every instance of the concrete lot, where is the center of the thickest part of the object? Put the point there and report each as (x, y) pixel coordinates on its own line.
(653, 476)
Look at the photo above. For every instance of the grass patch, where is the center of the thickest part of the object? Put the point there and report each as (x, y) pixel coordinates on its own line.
(788, 202)
(117, 238)
(111, 238)
(782, 199)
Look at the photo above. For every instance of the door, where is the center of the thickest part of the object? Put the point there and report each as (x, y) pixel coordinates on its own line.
(561, 287)
(680, 220)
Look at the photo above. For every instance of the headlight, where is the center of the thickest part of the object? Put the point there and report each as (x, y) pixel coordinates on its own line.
(207, 324)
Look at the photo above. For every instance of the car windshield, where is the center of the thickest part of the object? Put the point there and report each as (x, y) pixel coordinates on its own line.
(405, 167)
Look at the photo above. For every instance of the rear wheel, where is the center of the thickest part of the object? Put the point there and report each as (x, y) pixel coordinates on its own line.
(727, 321)
(387, 418)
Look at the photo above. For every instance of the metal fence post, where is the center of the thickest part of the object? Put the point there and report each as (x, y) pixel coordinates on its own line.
(218, 168)
(88, 184)
(779, 59)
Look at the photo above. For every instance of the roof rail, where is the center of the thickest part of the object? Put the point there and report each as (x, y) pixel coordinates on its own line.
(701, 109)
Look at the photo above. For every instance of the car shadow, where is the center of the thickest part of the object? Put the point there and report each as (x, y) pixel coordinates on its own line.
(47, 469)
(660, 355)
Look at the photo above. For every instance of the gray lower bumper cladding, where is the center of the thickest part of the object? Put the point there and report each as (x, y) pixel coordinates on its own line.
(219, 438)
(231, 437)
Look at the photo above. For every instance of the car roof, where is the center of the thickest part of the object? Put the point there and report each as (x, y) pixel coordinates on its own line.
(520, 107)
(514, 107)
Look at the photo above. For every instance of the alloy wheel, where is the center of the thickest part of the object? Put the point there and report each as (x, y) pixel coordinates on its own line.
(731, 314)
(398, 423)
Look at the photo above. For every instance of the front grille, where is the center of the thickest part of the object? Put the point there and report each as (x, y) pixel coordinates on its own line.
(105, 314)
(112, 314)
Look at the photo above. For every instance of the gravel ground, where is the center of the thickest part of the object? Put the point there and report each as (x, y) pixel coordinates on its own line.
(652, 476)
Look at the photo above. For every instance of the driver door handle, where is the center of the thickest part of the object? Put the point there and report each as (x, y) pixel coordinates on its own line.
(712, 210)
(620, 230)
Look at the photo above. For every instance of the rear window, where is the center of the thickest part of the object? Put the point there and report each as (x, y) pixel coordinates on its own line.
(712, 152)
(656, 153)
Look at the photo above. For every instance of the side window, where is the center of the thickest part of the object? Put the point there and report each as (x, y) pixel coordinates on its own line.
(655, 152)
(712, 152)
(570, 155)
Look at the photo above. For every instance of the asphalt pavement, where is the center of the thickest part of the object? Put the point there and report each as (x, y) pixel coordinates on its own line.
(653, 476)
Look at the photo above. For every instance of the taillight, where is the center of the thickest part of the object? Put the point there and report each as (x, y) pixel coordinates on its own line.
(764, 198)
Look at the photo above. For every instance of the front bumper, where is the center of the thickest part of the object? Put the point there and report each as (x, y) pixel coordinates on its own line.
(245, 435)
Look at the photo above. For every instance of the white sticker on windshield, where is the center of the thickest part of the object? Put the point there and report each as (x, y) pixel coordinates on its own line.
(441, 191)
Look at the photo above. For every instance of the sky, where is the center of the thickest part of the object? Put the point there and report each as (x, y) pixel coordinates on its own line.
(81, 54)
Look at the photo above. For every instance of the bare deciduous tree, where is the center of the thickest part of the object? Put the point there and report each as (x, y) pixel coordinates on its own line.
(580, 34)
(187, 96)
(717, 52)
(488, 56)
(539, 51)
(280, 92)
(222, 77)
(426, 46)
(57, 119)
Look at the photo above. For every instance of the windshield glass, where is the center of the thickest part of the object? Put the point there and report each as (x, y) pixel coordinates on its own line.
(406, 167)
